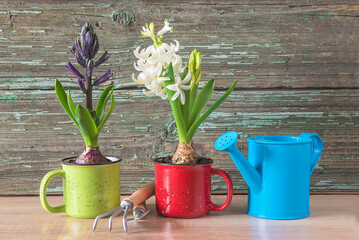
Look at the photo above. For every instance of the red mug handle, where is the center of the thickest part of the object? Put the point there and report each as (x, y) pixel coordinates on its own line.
(227, 178)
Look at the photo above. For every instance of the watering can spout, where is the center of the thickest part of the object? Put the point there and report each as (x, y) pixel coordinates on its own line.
(227, 142)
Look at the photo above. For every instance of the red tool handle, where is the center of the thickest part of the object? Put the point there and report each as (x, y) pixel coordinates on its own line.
(142, 194)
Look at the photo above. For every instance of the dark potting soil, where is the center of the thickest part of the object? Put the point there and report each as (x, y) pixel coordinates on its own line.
(168, 160)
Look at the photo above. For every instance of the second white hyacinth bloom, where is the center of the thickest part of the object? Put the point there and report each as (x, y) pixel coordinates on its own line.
(153, 62)
(179, 86)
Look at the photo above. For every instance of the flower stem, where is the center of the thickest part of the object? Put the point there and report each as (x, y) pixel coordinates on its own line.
(176, 107)
(181, 127)
(88, 95)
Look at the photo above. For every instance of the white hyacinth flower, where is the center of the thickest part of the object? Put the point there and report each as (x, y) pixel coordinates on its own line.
(179, 86)
(165, 29)
(152, 64)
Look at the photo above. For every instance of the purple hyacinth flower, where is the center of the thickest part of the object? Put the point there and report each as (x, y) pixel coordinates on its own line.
(73, 51)
(78, 46)
(74, 70)
(84, 30)
(96, 46)
(102, 59)
(90, 67)
(85, 49)
(81, 85)
(103, 78)
(80, 60)
(89, 39)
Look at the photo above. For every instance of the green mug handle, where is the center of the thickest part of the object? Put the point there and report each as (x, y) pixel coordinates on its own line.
(45, 181)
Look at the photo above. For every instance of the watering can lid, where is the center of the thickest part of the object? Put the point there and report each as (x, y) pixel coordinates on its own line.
(279, 140)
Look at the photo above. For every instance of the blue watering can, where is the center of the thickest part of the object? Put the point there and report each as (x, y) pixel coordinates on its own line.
(277, 172)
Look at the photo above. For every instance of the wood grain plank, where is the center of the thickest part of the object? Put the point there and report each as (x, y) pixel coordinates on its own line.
(35, 134)
(296, 62)
(263, 46)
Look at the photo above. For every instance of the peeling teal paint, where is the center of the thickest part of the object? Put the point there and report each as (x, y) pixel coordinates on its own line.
(306, 19)
(19, 46)
(239, 63)
(26, 12)
(9, 98)
(36, 31)
(53, 190)
(327, 54)
(345, 187)
(18, 129)
(21, 11)
(324, 15)
(157, 148)
(219, 56)
(32, 62)
(143, 128)
(282, 55)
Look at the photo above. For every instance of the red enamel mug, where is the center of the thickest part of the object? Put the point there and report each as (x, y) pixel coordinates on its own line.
(184, 191)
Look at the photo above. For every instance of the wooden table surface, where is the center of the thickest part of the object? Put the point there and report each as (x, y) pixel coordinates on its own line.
(332, 217)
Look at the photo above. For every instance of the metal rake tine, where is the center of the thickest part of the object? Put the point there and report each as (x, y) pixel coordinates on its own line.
(102, 216)
(124, 220)
(113, 216)
(136, 218)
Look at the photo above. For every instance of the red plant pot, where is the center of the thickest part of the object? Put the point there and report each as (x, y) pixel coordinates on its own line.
(184, 191)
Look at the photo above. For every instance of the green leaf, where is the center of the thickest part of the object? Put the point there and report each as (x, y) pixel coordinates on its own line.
(186, 108)
(176, 106)
(70, 102)
(198, 122)
(194, 89)
(62, 97)
(108, 113)
(101, 105)
(87, 126)
(201, 101)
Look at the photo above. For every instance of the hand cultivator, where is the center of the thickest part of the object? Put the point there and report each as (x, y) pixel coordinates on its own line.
(136, 202)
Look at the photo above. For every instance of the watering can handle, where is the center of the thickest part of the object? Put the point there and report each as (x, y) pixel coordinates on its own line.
(317, 148)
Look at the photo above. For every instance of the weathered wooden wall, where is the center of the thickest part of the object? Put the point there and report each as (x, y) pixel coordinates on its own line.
(296, 62)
